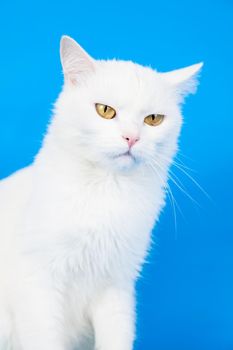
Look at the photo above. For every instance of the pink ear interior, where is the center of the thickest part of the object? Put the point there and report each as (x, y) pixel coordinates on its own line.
(75, 60)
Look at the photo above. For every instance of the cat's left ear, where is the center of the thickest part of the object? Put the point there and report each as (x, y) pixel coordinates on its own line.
(184, 80)
(75, 61)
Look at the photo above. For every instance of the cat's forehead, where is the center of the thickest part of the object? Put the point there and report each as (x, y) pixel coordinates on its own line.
(123, 84)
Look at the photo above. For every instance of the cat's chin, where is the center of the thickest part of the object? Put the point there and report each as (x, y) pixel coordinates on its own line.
(124, 162)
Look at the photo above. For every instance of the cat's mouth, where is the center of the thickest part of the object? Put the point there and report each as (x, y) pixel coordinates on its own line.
(127, 154)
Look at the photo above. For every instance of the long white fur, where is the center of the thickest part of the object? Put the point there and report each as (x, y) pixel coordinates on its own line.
(75, 225)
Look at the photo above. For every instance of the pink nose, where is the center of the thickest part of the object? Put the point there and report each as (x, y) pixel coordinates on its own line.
(131, 140)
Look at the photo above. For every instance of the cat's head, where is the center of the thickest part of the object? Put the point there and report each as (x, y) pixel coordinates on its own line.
(118, 114)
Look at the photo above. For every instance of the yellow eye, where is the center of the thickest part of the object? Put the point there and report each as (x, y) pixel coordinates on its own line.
(105, 111)
(154, 119)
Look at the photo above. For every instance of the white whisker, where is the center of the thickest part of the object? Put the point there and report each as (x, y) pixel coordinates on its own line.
(170, 194)
(182, 169)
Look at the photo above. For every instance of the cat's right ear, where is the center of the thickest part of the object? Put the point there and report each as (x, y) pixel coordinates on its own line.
(75, 61)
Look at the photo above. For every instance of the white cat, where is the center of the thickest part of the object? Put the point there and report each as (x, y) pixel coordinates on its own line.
(75, 225)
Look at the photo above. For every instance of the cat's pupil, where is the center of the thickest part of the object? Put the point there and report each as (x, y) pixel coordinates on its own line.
(105, 109)
(153, 117)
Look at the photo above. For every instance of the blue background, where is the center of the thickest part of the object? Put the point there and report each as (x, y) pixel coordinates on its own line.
(185, 300)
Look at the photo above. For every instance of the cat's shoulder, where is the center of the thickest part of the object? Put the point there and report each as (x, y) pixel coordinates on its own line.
(15, 186)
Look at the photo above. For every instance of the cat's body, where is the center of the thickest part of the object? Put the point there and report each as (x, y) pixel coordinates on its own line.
(85, 253)
(75, 226)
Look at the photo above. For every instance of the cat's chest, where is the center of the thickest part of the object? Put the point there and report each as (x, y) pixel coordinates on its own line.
(99, 229)
(113, 205)
(111, 228)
